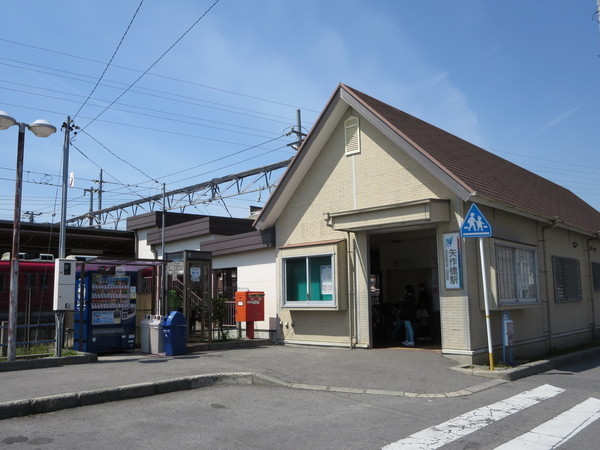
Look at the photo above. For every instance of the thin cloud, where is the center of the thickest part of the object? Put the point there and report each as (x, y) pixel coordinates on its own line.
(560, 118)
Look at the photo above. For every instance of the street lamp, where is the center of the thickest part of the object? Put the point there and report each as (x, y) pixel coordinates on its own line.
(41, 128)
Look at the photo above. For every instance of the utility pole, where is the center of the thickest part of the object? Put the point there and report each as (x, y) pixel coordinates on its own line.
(298, 132)
(68, 127)
(91, 191)
(100, 182)
(31, 215)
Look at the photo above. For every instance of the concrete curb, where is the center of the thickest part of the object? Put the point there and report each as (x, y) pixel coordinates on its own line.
(528, 369)
(43, 363)
(41, 405)
(58, 402)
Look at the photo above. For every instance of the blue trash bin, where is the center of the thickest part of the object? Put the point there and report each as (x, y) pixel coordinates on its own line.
(175, 334)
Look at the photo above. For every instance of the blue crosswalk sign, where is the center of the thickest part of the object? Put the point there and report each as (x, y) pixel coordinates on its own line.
(475, 224)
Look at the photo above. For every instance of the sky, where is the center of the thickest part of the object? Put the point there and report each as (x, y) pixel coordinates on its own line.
(178, 93)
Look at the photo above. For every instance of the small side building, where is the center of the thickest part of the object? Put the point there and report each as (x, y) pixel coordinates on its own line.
(212, 257)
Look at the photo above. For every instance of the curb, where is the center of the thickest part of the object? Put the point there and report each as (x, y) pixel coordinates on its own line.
(42, 405)
(43, 363)
(528, 369)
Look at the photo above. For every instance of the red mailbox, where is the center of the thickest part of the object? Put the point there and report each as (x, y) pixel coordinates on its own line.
(249, 308)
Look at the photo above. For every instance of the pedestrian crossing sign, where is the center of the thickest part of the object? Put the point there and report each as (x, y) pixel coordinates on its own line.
(475, 224)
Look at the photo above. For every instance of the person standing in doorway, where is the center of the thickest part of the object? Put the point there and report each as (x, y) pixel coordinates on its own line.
(408, 314)
(423, 305)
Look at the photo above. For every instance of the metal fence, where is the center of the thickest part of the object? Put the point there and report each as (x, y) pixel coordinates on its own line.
(31, 339)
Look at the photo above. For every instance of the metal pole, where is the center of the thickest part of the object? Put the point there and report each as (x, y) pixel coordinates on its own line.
(14, 256)
(486, 301)
(100, 195)
(163, 299)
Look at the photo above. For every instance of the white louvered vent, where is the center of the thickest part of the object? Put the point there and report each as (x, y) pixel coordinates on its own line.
(352, 135)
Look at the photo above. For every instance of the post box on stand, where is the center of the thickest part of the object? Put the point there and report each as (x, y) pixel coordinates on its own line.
(249, 308)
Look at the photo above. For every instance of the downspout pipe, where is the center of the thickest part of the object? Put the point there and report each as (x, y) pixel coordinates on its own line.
(351, 302)
(589, 249)
(547, 281)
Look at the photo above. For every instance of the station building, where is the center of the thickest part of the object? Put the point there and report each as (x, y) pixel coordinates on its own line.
(374, 201)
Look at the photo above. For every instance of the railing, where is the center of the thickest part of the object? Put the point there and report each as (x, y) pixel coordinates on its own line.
(229, 321)
(43, 345)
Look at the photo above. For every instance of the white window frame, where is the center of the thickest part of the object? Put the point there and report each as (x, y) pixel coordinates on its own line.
(516, 277)
(310, 303)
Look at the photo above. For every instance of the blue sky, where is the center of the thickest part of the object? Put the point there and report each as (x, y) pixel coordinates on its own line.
(518, 78)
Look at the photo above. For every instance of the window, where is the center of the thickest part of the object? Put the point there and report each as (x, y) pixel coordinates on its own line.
(516, 274)
(596, 276)
(44, 278)
(309, 280)
(352, 133)
(567, 279)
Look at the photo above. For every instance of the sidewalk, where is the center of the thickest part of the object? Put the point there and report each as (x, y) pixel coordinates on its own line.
(393, 371)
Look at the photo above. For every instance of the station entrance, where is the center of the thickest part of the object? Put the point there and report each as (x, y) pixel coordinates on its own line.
(189, 289)
(402, 261)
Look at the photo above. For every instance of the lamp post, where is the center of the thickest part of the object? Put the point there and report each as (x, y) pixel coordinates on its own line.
(40, 128)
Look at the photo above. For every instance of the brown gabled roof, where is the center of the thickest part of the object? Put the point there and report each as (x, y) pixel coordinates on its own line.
(482, 172)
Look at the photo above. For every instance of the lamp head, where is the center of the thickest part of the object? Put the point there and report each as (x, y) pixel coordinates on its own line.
(42, 128)
(6, 121)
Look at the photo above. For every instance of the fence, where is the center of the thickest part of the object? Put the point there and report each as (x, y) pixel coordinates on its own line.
(31, 339)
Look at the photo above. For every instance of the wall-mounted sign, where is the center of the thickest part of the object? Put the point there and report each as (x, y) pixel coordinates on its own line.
(452, 257)
(195, 273)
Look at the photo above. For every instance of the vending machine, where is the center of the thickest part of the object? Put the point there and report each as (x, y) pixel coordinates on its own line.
(105, 311)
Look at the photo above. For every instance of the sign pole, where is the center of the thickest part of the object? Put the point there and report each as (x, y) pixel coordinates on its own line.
(476, 225)
(486, 301)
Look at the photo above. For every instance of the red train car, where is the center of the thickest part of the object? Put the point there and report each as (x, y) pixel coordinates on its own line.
(36, 288)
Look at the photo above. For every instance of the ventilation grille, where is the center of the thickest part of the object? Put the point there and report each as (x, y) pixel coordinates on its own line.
(352, 135)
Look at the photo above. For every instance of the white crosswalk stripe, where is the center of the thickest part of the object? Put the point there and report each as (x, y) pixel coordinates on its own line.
(444, 433)
(559, 430)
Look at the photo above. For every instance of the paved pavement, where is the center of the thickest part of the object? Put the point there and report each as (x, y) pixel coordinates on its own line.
(392, 371)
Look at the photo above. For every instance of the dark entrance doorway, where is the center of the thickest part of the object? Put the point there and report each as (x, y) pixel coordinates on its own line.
(397, 260)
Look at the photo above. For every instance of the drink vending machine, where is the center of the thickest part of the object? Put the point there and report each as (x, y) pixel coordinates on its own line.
(105, 311)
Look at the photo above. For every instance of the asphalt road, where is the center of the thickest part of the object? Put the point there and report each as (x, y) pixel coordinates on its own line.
(266, 417)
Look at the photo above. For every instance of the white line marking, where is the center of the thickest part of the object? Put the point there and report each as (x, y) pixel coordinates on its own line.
(444, 433)
(559, 430)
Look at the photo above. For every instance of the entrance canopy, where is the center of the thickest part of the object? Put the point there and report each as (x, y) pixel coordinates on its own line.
(423, 212)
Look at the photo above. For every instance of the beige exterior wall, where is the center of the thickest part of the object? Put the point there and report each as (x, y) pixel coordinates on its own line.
(382, 175)
(541, 326)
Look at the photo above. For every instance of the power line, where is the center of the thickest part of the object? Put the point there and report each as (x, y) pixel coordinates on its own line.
(185, 99)
(117, 156)
(153, 64)
(227, 91)
(111, 60)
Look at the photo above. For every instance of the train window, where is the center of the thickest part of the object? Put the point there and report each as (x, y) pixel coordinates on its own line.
(2, 283)
(30, 280)
(44, 281)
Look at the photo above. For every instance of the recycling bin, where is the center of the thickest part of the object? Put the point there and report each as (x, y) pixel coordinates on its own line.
(145, 333)
(175, 334)
(156, 334)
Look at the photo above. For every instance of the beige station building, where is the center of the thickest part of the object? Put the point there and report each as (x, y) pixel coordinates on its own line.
(375, 200)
